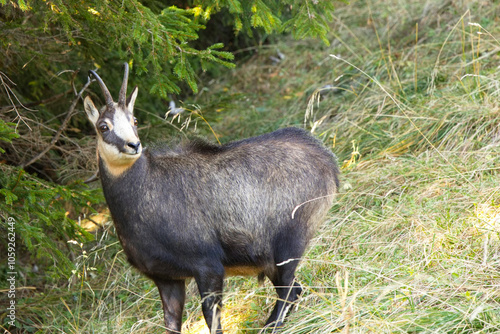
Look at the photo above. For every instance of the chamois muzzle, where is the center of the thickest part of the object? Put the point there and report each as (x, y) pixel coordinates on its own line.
(135, 146)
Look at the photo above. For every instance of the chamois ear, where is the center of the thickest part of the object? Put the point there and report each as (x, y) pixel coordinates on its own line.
(131, 99)
(91, 110)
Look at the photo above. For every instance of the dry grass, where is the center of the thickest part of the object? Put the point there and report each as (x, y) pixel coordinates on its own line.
(412, 245)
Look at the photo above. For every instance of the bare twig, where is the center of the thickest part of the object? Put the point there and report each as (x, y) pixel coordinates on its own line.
(8, 91)
(65, 122)
(93, 178)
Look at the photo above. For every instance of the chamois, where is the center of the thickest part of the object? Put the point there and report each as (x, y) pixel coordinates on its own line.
(205, 211)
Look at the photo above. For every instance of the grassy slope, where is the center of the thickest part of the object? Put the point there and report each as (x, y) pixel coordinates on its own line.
(412, 245)
(412, 242)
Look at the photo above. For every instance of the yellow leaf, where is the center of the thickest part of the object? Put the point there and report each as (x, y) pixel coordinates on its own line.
(197, 11)
(93, 11)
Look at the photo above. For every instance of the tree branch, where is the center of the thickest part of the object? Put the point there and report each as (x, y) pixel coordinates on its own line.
(65, 122)
(32, 104)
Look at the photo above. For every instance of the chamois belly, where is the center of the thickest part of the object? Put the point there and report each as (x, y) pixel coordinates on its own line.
(243, 270)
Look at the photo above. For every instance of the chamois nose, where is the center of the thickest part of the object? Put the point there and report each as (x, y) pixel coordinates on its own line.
(135, 146)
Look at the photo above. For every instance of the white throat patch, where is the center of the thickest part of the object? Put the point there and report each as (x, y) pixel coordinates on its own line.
(115, 161)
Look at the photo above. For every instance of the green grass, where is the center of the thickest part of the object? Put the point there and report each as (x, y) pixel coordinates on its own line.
(412, 243)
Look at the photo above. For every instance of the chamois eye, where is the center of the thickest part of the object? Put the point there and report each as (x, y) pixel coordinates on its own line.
(103, 128)
(135, 121)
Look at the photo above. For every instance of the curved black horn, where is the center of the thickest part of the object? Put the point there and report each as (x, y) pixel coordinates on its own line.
(105, 91)
(122, 98)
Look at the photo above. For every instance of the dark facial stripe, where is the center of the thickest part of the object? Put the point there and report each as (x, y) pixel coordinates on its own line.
(111, 138)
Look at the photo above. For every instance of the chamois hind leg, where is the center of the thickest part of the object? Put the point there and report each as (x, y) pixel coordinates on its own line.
(288, 291)
(172, 293)
(210, 284)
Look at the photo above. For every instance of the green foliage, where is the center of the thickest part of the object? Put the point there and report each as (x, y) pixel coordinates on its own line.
(303, 18)
(158, 43)
(21, 4)
(7, 133)
(41, 210)
(310, 19)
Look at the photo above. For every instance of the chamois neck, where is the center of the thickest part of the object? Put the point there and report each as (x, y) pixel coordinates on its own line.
(112, 170)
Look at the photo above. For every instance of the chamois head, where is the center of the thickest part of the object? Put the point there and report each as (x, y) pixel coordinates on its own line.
(118, 144)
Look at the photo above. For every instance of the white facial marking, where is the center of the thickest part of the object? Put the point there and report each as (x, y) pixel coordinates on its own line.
(123, 127)
(108, 151)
